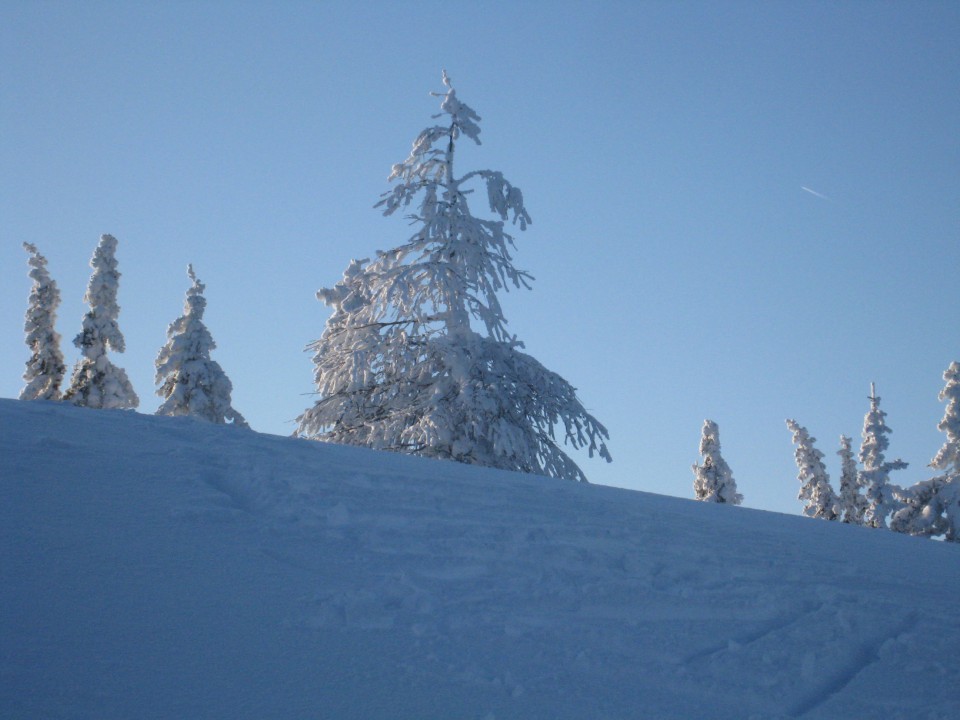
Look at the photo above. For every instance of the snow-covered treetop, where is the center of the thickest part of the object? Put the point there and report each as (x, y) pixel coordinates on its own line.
(451, 269)
(188, 337)
(100, 327)
(429, 165)
(710, 439)
(948, 457)
(44, 295)
(846, 455)
(875, 440)
(426, 162)
(37, 263)
(45, 368)
(809, 458)
(195, 303)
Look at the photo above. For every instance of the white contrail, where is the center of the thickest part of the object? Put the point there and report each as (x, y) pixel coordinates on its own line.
(815, 193)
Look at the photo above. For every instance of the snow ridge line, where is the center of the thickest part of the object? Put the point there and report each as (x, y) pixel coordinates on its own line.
(867, 655)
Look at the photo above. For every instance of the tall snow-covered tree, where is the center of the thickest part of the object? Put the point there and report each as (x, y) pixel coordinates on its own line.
(852, 502)
(416, 356)
(874, 477)
(96, 382)
(713, 480)
(932, 507)
(45, 368)
(190, 382)
(820, 501)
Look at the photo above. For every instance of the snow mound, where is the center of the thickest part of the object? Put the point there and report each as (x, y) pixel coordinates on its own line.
(159, 567)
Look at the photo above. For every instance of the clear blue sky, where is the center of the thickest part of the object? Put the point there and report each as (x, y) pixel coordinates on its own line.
(682, 270)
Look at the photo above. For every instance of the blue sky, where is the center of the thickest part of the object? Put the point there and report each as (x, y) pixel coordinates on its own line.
(682, 270)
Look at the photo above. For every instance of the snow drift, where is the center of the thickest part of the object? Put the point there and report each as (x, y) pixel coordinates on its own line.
(169, 568)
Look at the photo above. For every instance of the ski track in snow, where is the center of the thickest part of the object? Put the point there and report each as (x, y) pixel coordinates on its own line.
(863, 657)
(380, 586)
(763, 631)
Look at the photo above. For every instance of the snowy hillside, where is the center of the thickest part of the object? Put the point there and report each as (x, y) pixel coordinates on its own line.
(167, 568)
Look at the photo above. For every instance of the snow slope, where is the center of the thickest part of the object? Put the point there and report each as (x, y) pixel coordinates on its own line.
(167, 568)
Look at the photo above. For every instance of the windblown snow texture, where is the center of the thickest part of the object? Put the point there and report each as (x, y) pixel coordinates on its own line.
(168, 568)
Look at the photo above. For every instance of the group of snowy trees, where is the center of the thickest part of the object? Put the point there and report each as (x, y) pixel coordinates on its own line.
(190, 382)
(867, 496)
(416, 356)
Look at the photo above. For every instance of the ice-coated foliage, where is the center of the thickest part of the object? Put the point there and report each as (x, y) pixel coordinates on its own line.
(820, 501)
(189, 381)
(45, 368)
(852, 502)
(713, 480)
(96, 382)
(400, 366)
(932, 507)
(874, 477)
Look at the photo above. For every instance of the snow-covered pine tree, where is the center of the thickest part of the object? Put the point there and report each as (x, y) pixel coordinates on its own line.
(45, 368)
(190, 382)
(96, 382)
(874, 478)
(932, 507)
(852, 502)
(713, 480)
(399, 365)
(820, 501)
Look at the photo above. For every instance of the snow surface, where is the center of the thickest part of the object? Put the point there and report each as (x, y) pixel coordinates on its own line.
(157, 567)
